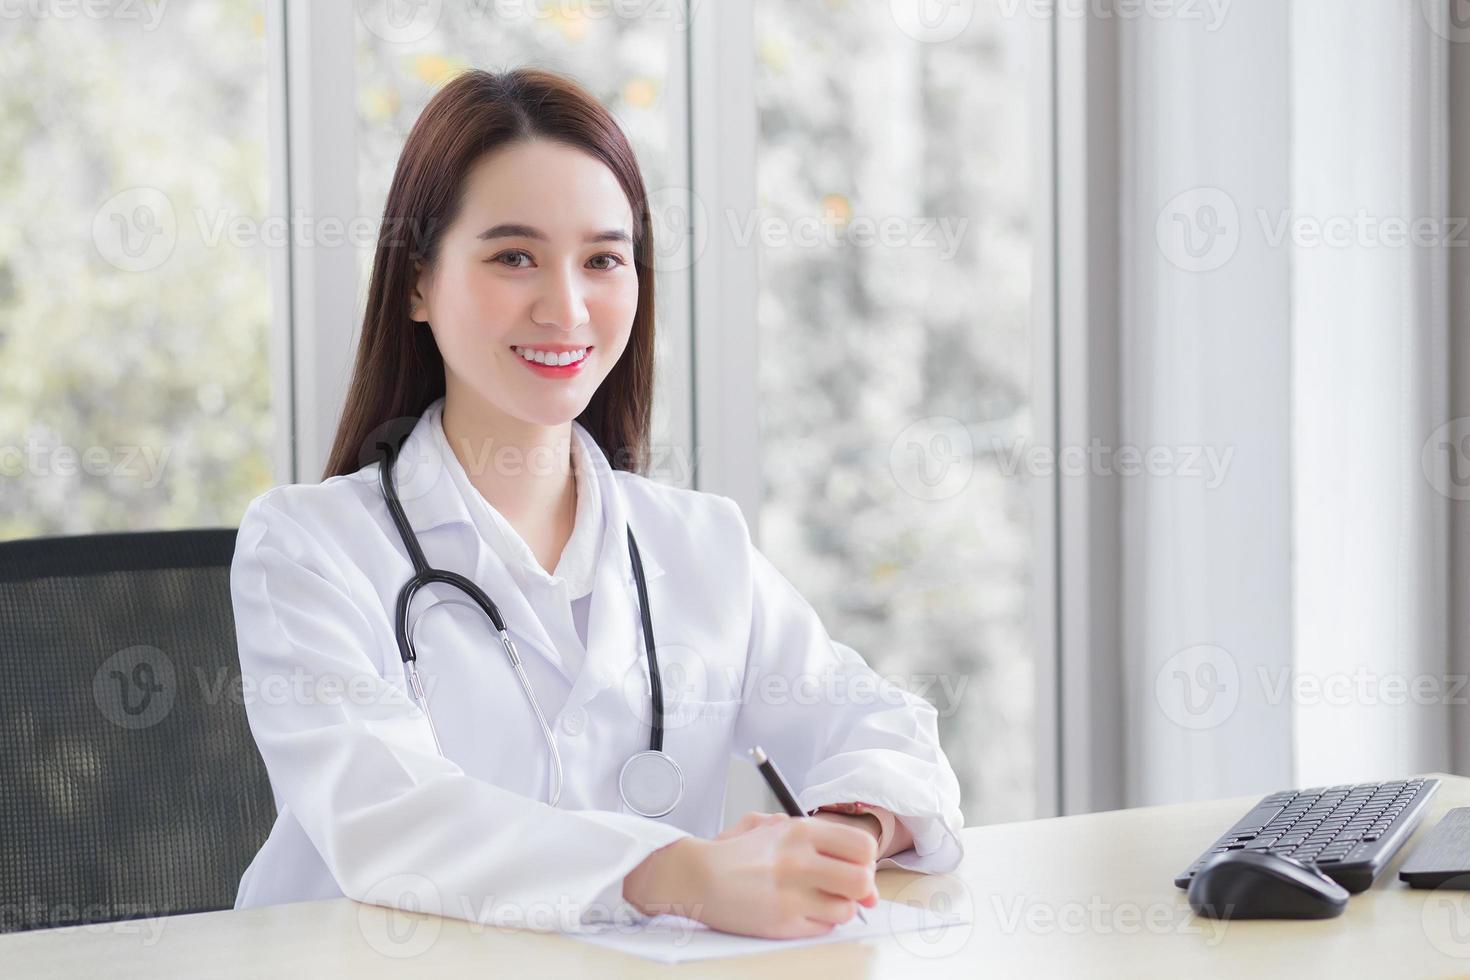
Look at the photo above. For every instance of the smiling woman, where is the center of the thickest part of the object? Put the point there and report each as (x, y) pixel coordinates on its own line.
(468, 466)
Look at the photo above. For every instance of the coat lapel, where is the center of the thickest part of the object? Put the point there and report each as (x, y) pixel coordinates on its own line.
(614, 627)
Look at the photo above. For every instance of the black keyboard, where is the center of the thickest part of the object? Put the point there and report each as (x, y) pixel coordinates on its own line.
(1348, 832)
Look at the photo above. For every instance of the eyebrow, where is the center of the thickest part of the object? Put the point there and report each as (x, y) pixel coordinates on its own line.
(513, 230)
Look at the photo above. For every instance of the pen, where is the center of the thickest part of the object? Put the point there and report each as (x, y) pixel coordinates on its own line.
(783, 794)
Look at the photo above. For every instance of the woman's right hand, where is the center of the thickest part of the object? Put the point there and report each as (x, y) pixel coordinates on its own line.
(770, 876)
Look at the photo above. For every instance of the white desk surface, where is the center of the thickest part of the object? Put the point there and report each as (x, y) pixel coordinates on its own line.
(1072, 896)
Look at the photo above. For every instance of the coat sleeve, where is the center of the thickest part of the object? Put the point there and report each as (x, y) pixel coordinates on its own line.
(395, 823)
(839, 732)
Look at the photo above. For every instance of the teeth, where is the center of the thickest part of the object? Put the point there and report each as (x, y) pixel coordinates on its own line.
(549, 358)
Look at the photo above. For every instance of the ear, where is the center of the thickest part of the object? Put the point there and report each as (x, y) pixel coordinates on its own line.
(418, 309)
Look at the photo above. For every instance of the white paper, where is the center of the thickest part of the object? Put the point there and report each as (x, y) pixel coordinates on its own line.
(674, 939)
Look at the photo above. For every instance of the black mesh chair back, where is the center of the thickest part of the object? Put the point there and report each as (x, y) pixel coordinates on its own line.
(130, 785)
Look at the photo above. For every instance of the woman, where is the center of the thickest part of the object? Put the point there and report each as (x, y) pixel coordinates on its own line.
(503, 382)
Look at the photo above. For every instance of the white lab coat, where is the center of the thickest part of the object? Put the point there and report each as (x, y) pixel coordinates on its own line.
(368, 808)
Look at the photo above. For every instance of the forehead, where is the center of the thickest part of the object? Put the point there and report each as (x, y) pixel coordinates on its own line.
(560, 189)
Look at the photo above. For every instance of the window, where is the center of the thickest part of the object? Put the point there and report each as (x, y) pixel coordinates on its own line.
(895, 338)
(134, 301)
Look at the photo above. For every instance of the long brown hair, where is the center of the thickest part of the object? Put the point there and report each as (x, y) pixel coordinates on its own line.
(399, 370)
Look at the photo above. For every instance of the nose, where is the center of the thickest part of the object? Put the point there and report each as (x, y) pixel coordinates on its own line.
(560, 304)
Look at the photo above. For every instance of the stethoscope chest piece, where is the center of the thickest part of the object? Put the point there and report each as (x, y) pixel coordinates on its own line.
(651, 783)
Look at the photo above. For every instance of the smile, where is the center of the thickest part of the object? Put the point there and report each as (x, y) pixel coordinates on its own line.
(552, 358)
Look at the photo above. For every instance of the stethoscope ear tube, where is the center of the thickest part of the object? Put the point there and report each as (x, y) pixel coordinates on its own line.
(655, 683)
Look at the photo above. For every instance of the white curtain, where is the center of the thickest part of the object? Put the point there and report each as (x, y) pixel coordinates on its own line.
(1270, 619)
(1369, 375)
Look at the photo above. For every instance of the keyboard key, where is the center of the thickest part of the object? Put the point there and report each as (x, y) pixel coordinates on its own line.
(1257, 818)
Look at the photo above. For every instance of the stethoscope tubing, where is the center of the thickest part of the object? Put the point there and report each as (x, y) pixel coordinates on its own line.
(425, 575)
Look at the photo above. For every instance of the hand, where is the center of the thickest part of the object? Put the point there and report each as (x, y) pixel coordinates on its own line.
(779, 877)
(749, 821)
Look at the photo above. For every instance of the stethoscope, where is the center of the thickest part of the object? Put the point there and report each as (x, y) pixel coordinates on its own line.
(650, 782)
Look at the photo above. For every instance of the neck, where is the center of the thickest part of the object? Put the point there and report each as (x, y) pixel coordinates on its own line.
(522, 469)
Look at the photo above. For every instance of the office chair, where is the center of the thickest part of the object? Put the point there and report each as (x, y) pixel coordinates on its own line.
(130, 785)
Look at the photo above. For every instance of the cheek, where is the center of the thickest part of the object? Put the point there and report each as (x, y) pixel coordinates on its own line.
(481, 309)
(613, 310)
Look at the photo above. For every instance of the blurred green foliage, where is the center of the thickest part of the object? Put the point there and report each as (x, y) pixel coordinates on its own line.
(156, 379)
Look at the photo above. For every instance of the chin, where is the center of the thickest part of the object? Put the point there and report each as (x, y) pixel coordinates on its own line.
(541, 413)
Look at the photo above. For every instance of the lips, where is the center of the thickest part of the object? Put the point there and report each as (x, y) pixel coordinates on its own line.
(547, 362)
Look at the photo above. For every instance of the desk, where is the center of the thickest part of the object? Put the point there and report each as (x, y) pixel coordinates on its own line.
(1070, 896)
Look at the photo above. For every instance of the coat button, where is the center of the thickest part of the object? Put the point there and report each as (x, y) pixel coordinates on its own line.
(574, 722)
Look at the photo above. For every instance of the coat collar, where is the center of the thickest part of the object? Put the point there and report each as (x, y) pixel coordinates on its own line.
(431, 500)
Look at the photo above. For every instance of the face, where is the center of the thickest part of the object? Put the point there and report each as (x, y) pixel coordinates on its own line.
(539, 263)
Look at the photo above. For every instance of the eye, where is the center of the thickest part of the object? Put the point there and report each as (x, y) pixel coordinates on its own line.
(616, 259)
(510, 252)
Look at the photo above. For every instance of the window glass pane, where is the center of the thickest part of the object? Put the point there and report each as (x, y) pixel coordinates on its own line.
(134, 316)
(625, 54)
(895, 355)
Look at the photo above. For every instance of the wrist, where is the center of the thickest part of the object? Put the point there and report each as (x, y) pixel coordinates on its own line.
(671, 879)
(863, 821)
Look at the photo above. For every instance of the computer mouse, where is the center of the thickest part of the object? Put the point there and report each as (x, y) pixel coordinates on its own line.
(1244, 884)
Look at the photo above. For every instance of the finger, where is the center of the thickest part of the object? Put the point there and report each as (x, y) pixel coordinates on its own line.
(748, 822)
(843, 842)
(838, 877)
(810, 928)
(831, 909)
